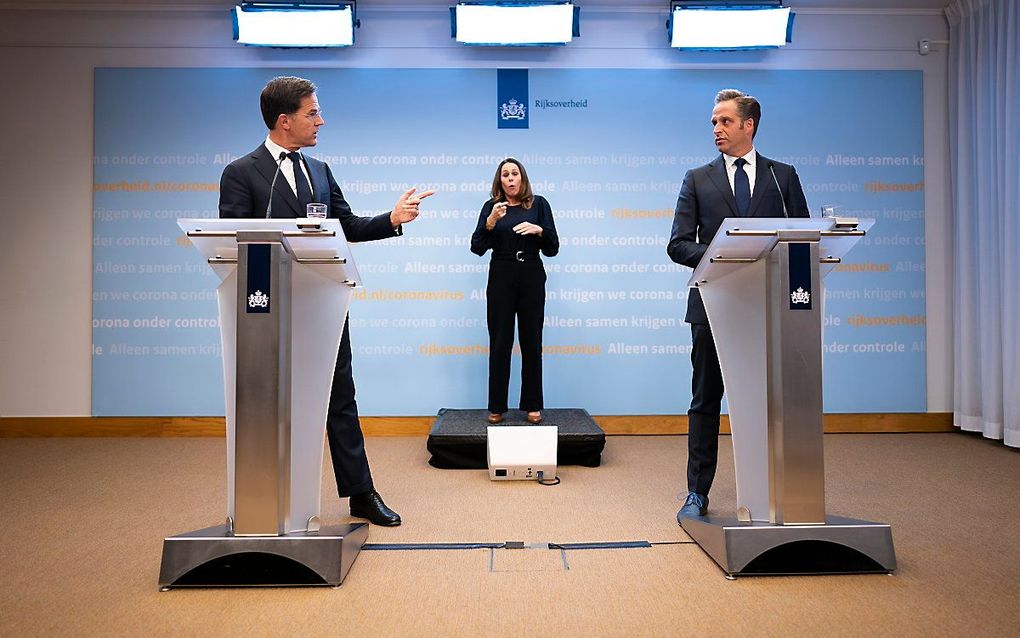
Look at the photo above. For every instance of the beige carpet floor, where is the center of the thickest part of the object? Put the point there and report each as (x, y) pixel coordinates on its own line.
(83, 522)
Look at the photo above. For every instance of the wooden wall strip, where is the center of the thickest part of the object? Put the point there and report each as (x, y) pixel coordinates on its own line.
(833, 423)
(420, 425)
(56, 426)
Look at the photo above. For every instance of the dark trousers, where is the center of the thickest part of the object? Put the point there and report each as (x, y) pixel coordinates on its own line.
(343, 429)
(703, 417)
(516, 290)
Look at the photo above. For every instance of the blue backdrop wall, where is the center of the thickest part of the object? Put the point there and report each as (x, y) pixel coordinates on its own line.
(607, 148)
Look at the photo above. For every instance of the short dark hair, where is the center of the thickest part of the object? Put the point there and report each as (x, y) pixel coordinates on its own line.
(283, 95)
(526, 196)
(748, 107)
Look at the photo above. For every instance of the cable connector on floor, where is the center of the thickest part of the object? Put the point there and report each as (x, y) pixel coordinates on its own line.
(514, 545)
(543, 481)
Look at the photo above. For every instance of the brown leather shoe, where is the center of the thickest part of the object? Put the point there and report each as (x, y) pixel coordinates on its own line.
(495, 418)
(534, 418)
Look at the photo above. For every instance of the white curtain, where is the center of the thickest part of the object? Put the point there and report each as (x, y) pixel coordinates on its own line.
(984, 120)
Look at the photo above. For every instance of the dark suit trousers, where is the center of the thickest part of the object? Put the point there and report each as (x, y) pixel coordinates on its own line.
(703, 417)
(515, 290)
(343, 429)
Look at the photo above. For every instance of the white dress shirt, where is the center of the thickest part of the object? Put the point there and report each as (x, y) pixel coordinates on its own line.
(287, 166)
(749, 168)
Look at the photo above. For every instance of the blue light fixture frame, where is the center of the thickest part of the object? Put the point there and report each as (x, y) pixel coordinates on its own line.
(575, 27)
(308, 5)
(726, 5)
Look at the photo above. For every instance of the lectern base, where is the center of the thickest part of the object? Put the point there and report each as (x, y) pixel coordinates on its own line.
(840, 546)
(211, 558)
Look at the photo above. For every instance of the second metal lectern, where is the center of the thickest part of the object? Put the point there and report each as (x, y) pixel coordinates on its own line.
(761, 282)
(284, 292)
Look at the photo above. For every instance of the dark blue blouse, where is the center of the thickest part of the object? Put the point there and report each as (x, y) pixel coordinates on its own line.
(504, 242)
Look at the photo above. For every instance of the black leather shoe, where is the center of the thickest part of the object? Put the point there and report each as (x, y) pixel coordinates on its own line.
(370, 505)
(695, 506)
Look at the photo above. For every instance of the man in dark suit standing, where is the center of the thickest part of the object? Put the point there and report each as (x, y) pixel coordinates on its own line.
(292, 113)
(738, 183)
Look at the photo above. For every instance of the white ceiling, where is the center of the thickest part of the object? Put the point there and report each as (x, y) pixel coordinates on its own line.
(644, 4)
(796, 4)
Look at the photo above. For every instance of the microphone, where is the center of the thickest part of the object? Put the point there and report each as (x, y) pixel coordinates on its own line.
(781, 198)
(272, 184)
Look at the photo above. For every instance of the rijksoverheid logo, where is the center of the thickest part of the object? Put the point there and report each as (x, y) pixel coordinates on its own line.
(513, 110)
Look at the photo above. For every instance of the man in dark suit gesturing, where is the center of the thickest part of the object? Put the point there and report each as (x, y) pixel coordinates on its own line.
(292, 113)
(738, 183)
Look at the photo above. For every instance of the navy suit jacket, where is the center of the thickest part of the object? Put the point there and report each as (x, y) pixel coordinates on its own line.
(706, 198)
(244, 192)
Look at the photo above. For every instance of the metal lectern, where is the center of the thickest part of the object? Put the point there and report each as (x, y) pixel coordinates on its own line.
(761, 282)
(284, 293)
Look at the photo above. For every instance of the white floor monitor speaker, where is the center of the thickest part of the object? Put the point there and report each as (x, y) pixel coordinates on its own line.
(522, 452)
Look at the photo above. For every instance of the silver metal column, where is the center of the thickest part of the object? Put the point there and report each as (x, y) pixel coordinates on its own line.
(262, 439)
(794, 355)
(255, 548)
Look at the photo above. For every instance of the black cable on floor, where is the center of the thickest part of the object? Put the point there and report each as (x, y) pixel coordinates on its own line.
(518, 545)
(417, 546)
(606, 545)
(544, 481)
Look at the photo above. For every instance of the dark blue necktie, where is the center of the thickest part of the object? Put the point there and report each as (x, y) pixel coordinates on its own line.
(304, 191)
(742, 188)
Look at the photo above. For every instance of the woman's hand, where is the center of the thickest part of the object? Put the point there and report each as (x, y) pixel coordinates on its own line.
(527, 228)
(498, 213)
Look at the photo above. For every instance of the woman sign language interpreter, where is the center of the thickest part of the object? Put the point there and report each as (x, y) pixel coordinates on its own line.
(516, 225)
